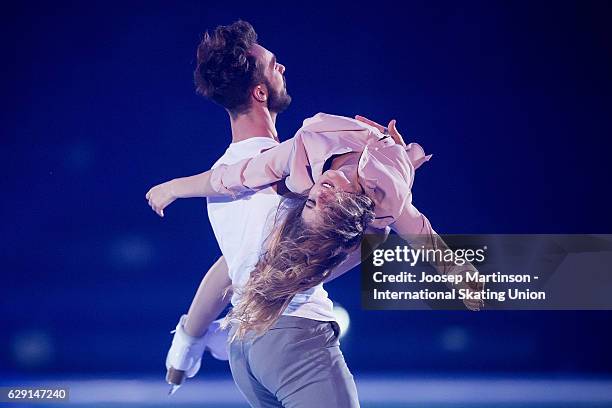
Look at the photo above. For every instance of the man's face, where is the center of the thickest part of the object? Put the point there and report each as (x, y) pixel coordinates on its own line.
(274, 78)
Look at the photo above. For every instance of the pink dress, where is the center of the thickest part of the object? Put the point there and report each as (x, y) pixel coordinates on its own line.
(385, 171)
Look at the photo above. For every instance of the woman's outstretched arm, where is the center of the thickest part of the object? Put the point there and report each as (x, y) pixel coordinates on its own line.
(249, 174)
(415, 228)
(162, 195)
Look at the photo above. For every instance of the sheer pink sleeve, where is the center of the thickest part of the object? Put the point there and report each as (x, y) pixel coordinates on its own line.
(416, 229)
(254, 173)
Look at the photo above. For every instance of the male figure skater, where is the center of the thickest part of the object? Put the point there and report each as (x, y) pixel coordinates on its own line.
(237, 73)
(234, 71)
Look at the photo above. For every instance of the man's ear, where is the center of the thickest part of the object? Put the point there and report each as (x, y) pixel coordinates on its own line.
(260, 93)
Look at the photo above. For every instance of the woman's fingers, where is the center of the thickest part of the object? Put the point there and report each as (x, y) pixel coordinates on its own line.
(157, 201)
(395, 134)
(392, 129)
(159, 208)
(365, 120)
(474, 304)
(159, 211)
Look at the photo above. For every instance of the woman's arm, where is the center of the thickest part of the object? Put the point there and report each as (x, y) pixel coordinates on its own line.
(415, 228)
(162, 195)
(251, 174)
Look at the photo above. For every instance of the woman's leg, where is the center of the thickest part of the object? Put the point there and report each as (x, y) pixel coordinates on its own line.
(299, 362)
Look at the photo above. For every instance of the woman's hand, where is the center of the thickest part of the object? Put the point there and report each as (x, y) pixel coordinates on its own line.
(390, 129)
(164, 194)
(476, 303)
(473, 304)
(161, 196)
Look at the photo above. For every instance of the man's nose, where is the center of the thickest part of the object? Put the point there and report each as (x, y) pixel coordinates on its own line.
(281, 69)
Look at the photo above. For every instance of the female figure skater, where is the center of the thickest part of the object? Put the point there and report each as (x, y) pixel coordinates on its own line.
(297, 361)
(349, 175)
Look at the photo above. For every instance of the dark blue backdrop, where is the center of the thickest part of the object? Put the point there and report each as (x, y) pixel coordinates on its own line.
(512, 97)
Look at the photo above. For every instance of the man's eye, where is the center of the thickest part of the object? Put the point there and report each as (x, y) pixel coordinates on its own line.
(310, 203)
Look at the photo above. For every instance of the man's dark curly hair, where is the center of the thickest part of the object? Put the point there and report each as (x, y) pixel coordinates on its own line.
(226, 71)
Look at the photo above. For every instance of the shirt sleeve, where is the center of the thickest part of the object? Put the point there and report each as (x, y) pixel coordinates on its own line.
(386, 175)
(416, 229)
(253, 173)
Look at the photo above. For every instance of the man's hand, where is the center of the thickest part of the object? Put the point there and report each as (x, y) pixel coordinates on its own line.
(391, 129)
(161, 196)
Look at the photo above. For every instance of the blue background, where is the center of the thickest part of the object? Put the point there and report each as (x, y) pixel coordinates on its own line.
(512, 97)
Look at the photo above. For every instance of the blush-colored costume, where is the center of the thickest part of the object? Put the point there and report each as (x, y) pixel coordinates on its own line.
(386, 170)
(310, 345)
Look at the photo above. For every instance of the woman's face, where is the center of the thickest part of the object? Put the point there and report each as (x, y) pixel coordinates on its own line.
(323, 191)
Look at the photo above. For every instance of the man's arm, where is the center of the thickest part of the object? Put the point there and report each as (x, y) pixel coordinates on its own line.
(212, 296)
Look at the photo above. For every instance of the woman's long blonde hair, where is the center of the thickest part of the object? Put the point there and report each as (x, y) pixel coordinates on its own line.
(297, 257)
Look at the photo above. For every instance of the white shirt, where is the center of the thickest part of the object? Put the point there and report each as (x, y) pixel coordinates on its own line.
(242, 225)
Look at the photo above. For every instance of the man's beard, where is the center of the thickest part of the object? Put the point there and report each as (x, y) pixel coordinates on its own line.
(278, 100)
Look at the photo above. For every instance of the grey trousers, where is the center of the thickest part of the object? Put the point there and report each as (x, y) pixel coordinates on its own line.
(296, 364)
